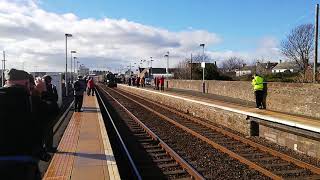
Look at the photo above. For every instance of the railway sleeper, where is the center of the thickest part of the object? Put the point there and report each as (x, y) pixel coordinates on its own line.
(145, 140)
(270, 158)
(140, 134)
(138, 131)
(175, 172)
(276, 165)
(155, 150)
(163, 160)
(151, 146)
(166, 165)
(158, 154)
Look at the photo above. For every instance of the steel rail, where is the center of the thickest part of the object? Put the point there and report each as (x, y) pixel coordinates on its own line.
(132, 164)
(170, 151)
(263, 148)
(207, 140)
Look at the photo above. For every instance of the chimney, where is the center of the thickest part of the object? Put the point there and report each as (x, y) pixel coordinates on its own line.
(215, 63)
(280, 61)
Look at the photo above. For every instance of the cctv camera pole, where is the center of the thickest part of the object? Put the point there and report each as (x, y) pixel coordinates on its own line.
(316, 45)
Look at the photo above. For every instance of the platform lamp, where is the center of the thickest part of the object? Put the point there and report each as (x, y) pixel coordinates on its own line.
(203, 67)
(66, 73)
(151, 66)
(71, 52)
(78, 68)
(74, 67)
(167, 56)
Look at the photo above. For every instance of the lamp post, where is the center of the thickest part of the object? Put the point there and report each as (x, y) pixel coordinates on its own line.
(167, 56)
(71, 62)
(202, 45)
(65, 76)
(74, 67)
(151, 66)
(3, 67)
(78, 68)
(203, 66)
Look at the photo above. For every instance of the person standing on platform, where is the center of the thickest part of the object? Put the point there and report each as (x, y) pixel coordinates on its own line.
(41, 109)
(142, 80)
(158, 83)
(79, 88)
(133, 81)
(50, 96)
(257, 83)
(90, 86)
(129, 81)
(20, 131)
(138, 81)
(162, 83)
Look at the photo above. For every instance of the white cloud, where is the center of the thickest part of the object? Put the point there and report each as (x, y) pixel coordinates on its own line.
(35, 37)
(31, 35)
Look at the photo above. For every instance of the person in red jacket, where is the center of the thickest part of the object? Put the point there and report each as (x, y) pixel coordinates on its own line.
(90, 86)
(162, 83)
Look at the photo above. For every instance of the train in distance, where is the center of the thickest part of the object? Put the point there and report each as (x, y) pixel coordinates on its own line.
(109, 79)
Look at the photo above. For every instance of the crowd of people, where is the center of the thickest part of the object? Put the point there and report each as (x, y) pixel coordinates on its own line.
(28, 107)
(139, 81)
(158, 82)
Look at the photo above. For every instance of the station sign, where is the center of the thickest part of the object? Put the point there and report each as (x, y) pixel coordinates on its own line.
(203, 64)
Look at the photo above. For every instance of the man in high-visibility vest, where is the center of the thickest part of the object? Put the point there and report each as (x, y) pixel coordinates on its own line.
(257, 83)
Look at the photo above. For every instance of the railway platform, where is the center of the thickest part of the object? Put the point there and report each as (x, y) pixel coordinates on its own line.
(297, 132)
(84, 151)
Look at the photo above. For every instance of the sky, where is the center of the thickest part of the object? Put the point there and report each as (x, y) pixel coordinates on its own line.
(111, 34)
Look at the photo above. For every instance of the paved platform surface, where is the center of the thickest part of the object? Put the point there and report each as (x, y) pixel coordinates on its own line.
(84, 151)
(304, 123)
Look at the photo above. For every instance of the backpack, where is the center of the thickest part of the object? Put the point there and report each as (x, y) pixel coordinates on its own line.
(77, 86)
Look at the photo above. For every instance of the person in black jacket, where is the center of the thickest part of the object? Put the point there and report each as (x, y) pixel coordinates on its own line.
(20, 131)
(79, 88)
(50, 96)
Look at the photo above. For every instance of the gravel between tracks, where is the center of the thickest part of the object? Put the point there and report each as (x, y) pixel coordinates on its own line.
(262, 141)
(212, 163)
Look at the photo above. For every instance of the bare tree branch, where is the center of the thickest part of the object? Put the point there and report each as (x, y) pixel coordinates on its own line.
(233, 63)
(298, 45)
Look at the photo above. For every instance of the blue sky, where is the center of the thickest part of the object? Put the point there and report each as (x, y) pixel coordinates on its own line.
(113, 33)
(240, 22)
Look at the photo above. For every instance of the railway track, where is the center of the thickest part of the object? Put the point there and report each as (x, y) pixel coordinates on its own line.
(269, 162)
(166, 159)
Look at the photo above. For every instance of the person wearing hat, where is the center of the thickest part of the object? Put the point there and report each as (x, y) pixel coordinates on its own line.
(257, 84)
(79, 88)
(20, 132)
(51, 91)
(50, 96)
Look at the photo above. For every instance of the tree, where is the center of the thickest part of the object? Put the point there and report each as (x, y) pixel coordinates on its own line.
(298, 45)
(211, 71)
(232, 63)
(182, 70)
